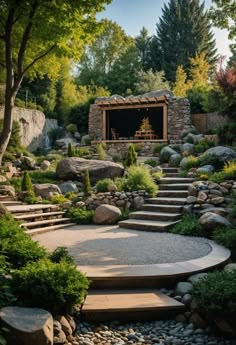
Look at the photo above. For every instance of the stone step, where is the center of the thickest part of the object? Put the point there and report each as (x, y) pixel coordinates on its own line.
(147, 225)
(44, 222)
(170, 170)
(162, 208)
(174, 186)
(172, 175)
(129, 305)
(31, 208)
(173, 193)
(48, 228)
(11, 203)
(167, 201)
(168, 180)
(6, 198)
(149, 215)
(39, 215)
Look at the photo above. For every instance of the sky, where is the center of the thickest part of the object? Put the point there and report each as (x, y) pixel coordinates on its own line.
(132, 15)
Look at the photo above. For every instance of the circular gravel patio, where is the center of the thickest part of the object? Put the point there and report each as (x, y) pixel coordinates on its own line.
(111, 245)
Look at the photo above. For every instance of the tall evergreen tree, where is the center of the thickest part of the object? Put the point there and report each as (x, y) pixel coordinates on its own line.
(184, 30)
(143, 43)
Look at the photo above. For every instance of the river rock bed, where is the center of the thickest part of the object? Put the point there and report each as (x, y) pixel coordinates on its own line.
(169, 332)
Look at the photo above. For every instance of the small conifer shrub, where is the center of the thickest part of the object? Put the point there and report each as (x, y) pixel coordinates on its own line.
(101, 152)
(26, 184)
(70, 151)
(86, 183)
(131, 156)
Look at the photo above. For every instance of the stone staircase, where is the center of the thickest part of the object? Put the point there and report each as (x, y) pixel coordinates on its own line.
(165, 210)
(39, 218)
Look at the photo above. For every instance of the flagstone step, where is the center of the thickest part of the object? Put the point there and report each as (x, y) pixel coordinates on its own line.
(48, 228)
(129, 305)
(147, 225)
(168, 180)
(44, 222)
(6, 198)
(170, 170)
(158, 216)
(11, 202)
(39, 215)
(167, 201)
(174, 186)
(173, 193)
(162, 208)
(172, 174)
(31, 208)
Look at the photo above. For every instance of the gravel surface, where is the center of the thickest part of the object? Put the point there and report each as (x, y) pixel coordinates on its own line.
(168, 332)
(111, 245)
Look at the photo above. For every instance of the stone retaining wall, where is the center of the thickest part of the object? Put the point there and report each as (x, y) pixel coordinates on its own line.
(130, 200)
(118, 148)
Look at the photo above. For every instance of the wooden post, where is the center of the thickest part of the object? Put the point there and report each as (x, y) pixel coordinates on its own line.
(165, 122)
(104, 125)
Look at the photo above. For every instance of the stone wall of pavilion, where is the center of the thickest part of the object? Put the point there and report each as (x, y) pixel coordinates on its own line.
(95, 121)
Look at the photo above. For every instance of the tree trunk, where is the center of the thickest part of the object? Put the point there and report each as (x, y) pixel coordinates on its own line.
(7, 125)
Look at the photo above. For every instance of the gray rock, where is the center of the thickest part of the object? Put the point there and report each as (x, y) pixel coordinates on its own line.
(183, 162)
(64, 142)
(157, 169)
(138, 202)
(192, 190)
(67, 187)
(106, 214)
(166, 153)
(211, 221)
(191, 200)
(217, 200)
(183, 288)
(7, 190)
(187, 299)
(72, 169)
(221, 152)
(187, 209)
(187, 147)
(29, 162)
(45, 165)
(86, 139)
(175, 160)
(28, 325)
(230, 267)
(196, 277)
(65, 325)
(59, 338)
(46, 190)
(221, 211)
(193, 138)
(206, 169)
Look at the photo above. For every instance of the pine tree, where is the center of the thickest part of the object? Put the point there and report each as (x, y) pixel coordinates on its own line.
(86, 183)
(183, 31)
(131, 156)
(101, 152)
(143, 44)
(26, 183)
(70, 151)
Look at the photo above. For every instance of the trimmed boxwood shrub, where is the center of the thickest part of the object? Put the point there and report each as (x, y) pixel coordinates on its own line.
(216, 292)
(52, 286)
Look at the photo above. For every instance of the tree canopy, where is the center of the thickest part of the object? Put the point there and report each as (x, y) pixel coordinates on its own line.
(223, 15)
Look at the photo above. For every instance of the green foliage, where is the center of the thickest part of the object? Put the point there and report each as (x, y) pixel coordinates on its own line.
(216, 292)
(82, 152)
(14, 142)
(157, 176)
(217, 177)
(56, 134)
(30, 198)
(131, 156)
(188, 226)
(197, 97)
(226, 133)
(223, 16)
(151, 162)
(58, 199)
(228, 173)
(80, 216)
(150, 81)
(139, 178)
(210, 159)
(55, 287)
(124, 213)
(26, 185)
(138, 147)
(191, 162)
(158, 147)
(203, 145)
(102, 186)
(71, 128)
(227, 237)
(101, 152)
(61, 254)
(16, 245)
(6, 296)
(86, 183)
(70, 151)
(43, 176)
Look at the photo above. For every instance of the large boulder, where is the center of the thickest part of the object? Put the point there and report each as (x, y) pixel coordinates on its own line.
(175, 160)
(106, 214)
(166, 153)
(64, 142)
(193, 138)
(211, 221)
(221, 152)
(187, 147)
(72, 168)
(27, 326)
(206, 169)
(67, 187)
(46, 190)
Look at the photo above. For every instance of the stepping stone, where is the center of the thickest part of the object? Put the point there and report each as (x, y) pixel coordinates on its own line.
(170, 170)
(167, 201)
(168, 180)
(174, 186)
(39, 215)
(147, 225)
(173, 193)
(48, 228)
(44, 222)
(162, 208)
(30, 208)
(135, 304)
(149, 215)
(172, 174)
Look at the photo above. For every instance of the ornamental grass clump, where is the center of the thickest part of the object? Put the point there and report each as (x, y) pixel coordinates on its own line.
(139, 178)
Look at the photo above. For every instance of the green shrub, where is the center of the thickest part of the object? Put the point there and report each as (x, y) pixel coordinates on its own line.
(124, 213)
(14, 142)
(164, 157)
(61, 254)
(55, 287)
(139, 178)
(217, 177)
(26, 185)
(203, 145)
(58, 199)
(56, 134)
(151, 162)
(43, 176)
(230, 170)
(176, 147)
(101, 152)
(16, 183)
(158, 147)
(8, 157)
(226, 133)
(216, 292)
(30, 198)
(138, 147)
(86, 183)
(80, 216)
(71, 195)
(6, 296)
(191, 162)
(157, 176)
(71, 128)
(70, 151)
(81, 152)
(131, 156)
(188, 226)
(227, 237)
(102, 186)
(209, 159)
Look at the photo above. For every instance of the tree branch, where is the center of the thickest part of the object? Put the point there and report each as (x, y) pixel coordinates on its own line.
(39, 57)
